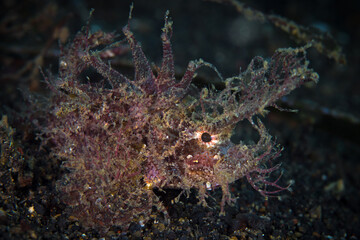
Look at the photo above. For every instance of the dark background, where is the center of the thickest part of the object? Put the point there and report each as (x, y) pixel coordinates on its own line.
(321, 156)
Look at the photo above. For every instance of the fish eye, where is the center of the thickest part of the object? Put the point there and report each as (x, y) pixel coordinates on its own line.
(206, 137)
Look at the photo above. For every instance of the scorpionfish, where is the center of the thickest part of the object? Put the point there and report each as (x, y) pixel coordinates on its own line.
(120, 137)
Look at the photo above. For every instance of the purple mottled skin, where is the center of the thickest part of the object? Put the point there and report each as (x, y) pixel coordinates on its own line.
(119, 142)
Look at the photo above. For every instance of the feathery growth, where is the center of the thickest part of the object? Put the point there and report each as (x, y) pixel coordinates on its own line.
(122, 137)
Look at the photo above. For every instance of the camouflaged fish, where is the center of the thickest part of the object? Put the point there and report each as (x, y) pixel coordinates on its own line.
(121, 137)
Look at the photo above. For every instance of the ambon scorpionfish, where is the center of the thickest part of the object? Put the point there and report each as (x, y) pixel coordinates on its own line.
(121, 137)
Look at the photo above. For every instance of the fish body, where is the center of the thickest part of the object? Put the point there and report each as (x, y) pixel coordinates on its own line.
(122, 137)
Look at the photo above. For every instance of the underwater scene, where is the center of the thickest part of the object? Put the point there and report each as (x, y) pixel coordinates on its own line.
(215, 119)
